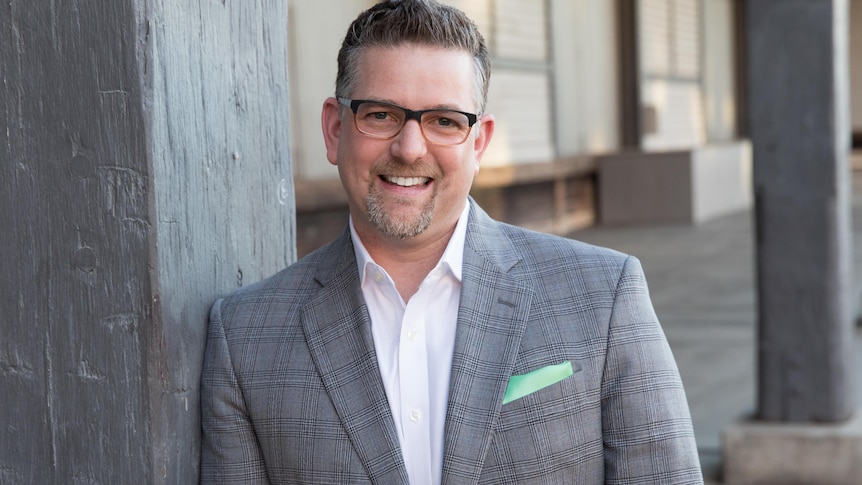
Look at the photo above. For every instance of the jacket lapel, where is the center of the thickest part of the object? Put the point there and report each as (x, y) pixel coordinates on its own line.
(338, 331)
(494, 305)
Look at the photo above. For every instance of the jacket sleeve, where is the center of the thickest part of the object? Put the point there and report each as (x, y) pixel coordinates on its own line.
(646, 424)
(229, 448)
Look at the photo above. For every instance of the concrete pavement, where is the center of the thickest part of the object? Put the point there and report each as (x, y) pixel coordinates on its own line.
(702, 282)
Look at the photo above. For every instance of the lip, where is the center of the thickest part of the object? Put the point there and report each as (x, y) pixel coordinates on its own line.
(407, 182)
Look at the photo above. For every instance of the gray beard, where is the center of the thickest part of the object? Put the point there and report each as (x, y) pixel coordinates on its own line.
(397, 228)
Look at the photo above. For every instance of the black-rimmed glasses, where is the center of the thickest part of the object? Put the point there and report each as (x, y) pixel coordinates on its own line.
(379, 119)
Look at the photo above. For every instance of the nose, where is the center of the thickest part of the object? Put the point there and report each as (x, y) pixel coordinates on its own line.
(410, 144)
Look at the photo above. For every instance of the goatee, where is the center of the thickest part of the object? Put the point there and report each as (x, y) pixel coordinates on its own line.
(394, 227)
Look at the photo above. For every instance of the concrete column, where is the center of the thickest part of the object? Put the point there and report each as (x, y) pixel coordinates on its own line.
(798, 115)
(144, 168)
(798, 121)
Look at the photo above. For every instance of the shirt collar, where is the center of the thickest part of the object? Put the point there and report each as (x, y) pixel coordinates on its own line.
(453, 255)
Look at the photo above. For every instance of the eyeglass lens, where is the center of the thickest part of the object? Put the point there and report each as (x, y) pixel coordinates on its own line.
(439, 126)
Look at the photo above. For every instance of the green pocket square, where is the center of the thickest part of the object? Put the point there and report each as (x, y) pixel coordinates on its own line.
(520, 386)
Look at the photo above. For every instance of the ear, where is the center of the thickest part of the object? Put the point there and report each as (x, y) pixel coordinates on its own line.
(483, 138)
(330, 120)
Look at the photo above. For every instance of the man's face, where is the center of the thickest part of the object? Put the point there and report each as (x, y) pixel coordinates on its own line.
(405, 188)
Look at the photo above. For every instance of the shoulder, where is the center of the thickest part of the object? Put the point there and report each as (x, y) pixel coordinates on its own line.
(538, 246)
(490, 237)
(551, 253)
(554, 259)
(545, 259)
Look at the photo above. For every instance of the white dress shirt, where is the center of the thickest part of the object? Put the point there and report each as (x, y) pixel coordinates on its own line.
(414, 342)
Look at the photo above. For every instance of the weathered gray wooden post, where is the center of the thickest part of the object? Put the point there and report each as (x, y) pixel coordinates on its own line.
(143, 172)
(807, 429)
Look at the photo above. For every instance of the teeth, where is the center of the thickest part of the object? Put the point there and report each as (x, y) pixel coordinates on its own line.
(407, 181)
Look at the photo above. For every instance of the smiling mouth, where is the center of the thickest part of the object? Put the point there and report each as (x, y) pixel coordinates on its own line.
(406, 181)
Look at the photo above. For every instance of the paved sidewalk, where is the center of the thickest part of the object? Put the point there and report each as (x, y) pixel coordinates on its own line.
(701, 280)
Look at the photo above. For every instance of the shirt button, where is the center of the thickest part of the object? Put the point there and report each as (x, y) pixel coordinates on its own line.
(378, 276)
(415, 415)
(411, 334)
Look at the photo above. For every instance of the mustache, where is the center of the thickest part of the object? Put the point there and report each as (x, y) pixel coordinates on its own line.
(398, 169)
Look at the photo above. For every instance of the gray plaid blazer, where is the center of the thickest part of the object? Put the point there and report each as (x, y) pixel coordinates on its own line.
(291, 391)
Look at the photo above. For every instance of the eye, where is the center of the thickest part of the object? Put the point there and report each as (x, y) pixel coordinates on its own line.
(379, 114)
(446, 120)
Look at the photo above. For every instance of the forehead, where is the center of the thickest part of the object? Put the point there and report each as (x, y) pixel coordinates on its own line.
(416, 76)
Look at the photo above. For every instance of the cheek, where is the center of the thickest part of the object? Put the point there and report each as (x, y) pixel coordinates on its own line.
(461, 178)
(356, 158)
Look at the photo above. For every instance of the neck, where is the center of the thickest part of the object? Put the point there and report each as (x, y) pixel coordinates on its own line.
(408, 261)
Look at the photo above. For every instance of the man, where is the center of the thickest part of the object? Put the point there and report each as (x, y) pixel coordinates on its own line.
(429, 343)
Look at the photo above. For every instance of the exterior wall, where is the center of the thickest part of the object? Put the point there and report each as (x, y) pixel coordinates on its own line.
(687, 72)
(670, 39)
(856, 67)
(315, 34)
(520, 91)
(719, 71)
(585, 54)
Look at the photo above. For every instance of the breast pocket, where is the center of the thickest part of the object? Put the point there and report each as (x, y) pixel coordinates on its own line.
(554, 432)
(561, 417)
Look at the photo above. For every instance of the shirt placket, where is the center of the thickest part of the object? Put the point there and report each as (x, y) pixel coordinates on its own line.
(415, 410)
